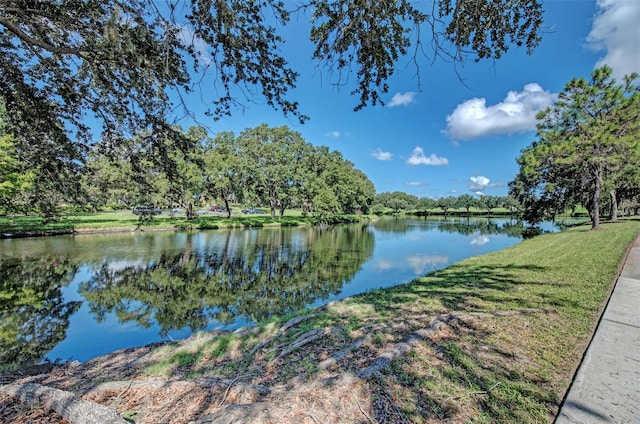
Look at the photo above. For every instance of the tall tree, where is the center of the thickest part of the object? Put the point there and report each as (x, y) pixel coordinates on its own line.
(107, 181)
(275, 157)
(446, 203)
(512, 204)
(397, 204)
(331, 185)
(627, 183)
(489, 203)
(383, 198)
(426, 204)
(467, 202)
(323, 173)
(184, 168)
(585, 140)
(224, 169)
(353, 190)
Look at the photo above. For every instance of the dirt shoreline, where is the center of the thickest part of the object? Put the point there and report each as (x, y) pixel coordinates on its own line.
(275, 381)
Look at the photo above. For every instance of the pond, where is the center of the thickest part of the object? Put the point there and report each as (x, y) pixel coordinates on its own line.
(74, 298)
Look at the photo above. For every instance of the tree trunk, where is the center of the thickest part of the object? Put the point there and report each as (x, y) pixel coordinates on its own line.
(273, 203)
(66, 404)
(595, 221)
(614, 205)
(226, 205)
(189, 211)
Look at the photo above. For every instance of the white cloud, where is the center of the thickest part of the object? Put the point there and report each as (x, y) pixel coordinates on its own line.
(615, 30)
(402, 99)
(418, 158)
(417, 184)
(516, 113)
(478, 183)
(334, 134)
(380, 155)
(188, 38)
(479, 193)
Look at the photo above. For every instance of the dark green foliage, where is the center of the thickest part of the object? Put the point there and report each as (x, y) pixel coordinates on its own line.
(488, 27)
(33, 316)
(120, 60)
(488, 203)
(467, 202)
(262, 166)
(588, 142)
(446, 203)
(387, 197)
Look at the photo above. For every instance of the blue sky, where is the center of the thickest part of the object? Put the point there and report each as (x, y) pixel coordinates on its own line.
(459, 128)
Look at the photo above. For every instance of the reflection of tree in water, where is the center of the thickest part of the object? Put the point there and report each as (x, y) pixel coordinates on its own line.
(279, 273)
(394, 225)
(456, 225)
(484, 226)
(33, 315)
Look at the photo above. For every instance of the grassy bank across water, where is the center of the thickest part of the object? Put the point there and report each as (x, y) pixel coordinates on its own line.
(494, 338)
(32, 226)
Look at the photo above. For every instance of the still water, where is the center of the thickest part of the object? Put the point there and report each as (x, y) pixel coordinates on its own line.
(74, 298)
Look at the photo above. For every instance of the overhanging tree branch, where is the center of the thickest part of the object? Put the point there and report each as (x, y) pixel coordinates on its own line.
(15, 29)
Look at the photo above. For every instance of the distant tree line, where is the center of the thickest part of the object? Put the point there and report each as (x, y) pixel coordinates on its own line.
(466, 204)
(262, 167)
(397, 201)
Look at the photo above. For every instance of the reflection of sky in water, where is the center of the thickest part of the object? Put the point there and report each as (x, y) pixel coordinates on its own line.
(400, 257)
(479, 239)
(383, 265)
(422, 264)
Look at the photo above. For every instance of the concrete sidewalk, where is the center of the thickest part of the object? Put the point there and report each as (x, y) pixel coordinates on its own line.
(606, 388)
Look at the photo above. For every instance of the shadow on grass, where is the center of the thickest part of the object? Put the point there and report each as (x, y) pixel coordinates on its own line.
(481, 371)
(462, 287)
(476, 377)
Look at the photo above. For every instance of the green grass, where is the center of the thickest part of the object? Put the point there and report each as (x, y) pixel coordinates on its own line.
(570, 271)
